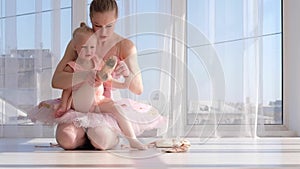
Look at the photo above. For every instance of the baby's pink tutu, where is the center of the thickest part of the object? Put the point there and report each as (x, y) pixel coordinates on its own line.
(142, 117)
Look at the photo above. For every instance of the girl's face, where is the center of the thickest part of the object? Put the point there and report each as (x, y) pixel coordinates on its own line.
(86, 47)
(104, 24)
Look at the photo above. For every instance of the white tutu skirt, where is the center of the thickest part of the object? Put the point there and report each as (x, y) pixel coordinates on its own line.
(142, 117)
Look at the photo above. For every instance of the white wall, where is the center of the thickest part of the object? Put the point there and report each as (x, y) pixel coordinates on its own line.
(291, 33)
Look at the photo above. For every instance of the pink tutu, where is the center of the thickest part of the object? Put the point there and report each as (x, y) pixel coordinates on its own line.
(143, 117)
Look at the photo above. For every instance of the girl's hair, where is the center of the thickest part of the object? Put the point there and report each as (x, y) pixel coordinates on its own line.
(82, 32)
(103, 6)
(82, 29)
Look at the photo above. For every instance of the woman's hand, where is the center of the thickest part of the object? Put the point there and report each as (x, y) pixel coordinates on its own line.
(121, 70)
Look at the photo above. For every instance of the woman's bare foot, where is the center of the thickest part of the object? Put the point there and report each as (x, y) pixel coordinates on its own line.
(135, 143)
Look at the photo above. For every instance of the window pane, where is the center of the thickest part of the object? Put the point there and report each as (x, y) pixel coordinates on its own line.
(46, 30)
(46, 5)
(24, 7)
(66, 32)
(65, 3)
(2, 11)
(26, 31)
(147, 6)
(272, 16)
(2, 36)
(272, 75)
(229, 20)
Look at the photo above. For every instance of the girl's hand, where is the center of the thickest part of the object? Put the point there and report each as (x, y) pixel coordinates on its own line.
(92, 79)
(86, 77)
(122, 70)
(97, 81)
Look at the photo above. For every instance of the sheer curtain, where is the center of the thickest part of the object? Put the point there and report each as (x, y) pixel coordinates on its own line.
(165, 39)
(161, 39)
(156, 33)
(253, 57)
(235, 33)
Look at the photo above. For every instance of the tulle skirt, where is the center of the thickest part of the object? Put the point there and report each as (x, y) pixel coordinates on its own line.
(142, 116)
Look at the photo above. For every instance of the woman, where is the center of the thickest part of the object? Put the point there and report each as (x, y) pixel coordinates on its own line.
(103, 15)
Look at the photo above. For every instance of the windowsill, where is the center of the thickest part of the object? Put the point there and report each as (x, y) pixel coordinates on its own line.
(240, 131)
(39, 131)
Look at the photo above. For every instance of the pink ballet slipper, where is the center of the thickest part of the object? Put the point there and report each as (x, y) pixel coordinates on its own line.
(172, 145)
(108, 68)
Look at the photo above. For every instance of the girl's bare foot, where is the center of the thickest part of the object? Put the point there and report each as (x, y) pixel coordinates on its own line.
(60, 111)
(135, 143)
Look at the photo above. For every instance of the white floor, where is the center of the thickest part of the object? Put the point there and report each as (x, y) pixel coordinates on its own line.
(217, 153)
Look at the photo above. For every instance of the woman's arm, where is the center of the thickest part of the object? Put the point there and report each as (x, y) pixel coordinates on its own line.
(134, 80)
(62, 79)
(119, 85)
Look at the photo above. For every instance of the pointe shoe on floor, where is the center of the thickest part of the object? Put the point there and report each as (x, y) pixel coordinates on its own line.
(107, 69)
(172, 145)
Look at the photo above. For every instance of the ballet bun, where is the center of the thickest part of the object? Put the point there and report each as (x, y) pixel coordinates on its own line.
(82, 24)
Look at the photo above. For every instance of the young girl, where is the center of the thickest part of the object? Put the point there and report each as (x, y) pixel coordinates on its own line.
(85, 44)
(125, 117)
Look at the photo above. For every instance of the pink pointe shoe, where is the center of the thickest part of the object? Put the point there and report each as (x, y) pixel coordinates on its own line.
(108, 68)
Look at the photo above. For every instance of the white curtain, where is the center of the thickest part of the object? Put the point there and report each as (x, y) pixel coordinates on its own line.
(166, 84)
(159, 33)
(253, 87)
(237, 87)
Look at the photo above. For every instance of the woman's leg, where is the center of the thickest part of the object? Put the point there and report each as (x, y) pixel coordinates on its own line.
(70, 137)
(125, 125)
(102, 138)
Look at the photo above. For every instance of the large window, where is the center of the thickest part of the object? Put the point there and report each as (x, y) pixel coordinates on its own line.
(227, 25)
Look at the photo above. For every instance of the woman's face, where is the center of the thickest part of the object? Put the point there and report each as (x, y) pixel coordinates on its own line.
(104, 24)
